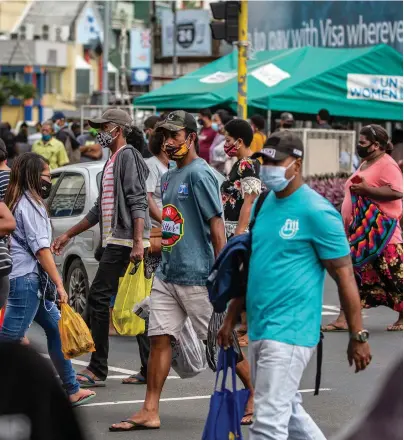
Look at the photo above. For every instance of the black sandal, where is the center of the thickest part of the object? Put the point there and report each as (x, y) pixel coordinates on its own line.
(135, 427)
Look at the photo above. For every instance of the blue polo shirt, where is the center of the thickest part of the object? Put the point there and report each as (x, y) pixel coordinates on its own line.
(285, 287)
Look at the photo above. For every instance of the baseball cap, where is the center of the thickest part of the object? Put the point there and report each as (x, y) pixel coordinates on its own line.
(178, 120)
(58, 115)
(281, 145)
(115, 115)
(286, 116)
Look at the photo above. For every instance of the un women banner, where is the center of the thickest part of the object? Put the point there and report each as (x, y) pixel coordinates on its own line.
(288, 24)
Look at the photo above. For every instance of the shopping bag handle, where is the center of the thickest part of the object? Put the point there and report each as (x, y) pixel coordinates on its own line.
(226, 360)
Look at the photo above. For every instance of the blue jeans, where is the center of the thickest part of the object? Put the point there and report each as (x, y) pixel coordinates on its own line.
(24, 306)
(276, 371)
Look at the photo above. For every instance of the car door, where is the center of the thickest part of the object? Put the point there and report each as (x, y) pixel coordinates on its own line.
(68, 206)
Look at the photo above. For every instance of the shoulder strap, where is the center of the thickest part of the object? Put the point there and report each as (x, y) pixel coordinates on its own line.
(258, 205)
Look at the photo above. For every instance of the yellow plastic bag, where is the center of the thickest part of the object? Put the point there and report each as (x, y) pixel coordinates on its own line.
(132, 289)
(74, 334)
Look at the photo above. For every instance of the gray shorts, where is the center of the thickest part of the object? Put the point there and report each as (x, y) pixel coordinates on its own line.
(171, 304)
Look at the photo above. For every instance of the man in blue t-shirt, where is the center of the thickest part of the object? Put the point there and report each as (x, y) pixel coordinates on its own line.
(192, 236)
(296, 237)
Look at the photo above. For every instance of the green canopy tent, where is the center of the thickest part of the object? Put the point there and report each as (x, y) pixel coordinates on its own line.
(356, 83)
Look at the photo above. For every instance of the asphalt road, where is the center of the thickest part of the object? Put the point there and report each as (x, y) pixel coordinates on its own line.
(185, 402)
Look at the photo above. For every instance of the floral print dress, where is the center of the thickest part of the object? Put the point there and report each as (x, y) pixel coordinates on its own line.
(243, 179)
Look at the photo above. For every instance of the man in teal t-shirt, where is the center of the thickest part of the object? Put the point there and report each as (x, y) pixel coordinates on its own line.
(296, 237)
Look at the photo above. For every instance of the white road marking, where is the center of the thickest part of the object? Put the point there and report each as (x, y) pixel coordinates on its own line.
(125, 373)
(335, 308)
(329, 313)
(124, 376)
(174, 399)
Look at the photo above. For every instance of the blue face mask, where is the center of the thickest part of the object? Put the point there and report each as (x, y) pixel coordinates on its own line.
(215, 126)
(273, 177)
(46, 137)
(56, 127)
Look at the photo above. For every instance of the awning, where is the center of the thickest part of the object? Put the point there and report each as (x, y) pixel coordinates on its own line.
(355, 83)
(81, 63)
(112, 68)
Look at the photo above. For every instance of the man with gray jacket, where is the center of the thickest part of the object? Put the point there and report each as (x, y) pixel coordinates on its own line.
(122, 212)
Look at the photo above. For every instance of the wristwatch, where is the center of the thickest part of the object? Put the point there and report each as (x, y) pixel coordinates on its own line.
(361, 336)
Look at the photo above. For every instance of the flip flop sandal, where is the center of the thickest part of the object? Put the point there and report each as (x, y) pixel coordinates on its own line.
(395, 328)
(333, 328)
(90, 382)
(83, 400)
(247, 423)
(135, 427)
(140, 380)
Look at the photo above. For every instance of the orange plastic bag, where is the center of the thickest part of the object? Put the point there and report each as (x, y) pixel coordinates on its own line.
(74, 334)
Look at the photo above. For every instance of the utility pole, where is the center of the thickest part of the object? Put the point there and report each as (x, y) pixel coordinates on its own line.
(175, 58)
(242, 60)
(105, 53)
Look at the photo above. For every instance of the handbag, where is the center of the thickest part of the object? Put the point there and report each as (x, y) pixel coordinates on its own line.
(226, 407)
(369, 232)
(6, 262)
(155, 241)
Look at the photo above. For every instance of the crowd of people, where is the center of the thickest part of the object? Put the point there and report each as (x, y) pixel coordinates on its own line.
(173, 197)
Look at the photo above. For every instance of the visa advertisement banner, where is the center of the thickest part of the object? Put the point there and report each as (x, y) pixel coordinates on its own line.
(277, 25)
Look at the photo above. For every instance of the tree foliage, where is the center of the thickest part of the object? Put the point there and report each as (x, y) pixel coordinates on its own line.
(14, 89)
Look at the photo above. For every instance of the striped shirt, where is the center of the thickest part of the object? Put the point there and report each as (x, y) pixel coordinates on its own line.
(4, 181)
(107, 206)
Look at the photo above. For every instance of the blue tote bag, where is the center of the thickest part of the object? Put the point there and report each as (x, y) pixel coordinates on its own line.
(226, 407)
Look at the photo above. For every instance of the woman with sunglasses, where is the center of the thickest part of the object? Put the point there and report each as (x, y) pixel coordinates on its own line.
(371, 210)
(30, 184)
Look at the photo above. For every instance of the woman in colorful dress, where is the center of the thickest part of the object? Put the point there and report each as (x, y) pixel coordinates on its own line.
(377, 185)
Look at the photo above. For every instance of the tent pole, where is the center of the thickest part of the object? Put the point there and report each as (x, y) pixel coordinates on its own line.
(242, 60)
(269, 116)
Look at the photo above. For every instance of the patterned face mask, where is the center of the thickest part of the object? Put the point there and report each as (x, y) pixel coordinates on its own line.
(177, 153)
(231, 149)
(105, 139)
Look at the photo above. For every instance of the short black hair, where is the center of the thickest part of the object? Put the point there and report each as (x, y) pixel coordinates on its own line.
(156, 142)
(324, 114)
(240, 129)
(206, 113)
(258, 121)
(225, 116)
(151, 121)
(135, 138)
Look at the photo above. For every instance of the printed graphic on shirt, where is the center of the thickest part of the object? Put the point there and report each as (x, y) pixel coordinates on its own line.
(172, 227)
(289, 229)
(183, 191)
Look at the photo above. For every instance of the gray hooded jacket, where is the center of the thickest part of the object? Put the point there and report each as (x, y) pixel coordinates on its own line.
(130, 195)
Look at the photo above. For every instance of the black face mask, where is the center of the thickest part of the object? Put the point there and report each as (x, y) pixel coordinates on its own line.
(287, 125)
(362, 151)
(46, 188)
(200, 122)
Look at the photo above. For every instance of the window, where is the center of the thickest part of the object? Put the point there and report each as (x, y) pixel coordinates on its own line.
(83, 81)
(52, 81)
(70, 197)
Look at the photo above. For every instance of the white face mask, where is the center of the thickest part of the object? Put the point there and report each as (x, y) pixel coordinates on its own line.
(274, 177)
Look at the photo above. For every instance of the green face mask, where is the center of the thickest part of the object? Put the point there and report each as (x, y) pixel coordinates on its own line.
(93, 132)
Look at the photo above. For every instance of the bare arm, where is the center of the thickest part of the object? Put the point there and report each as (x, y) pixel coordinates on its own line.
(217, 233)
(137, 252)
(245, 212)
(45, 258)
(340, 269)
(154, 210)
(60, 242)
(384, 193)
(7, 220)
(93, 151)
